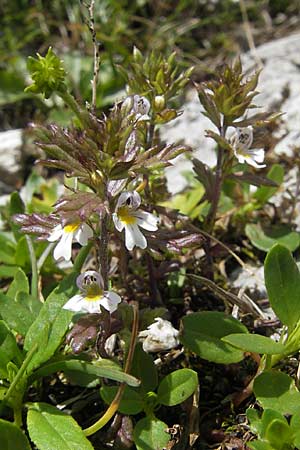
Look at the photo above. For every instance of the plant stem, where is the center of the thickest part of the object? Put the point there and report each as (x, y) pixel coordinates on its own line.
(96, 55)
(116, 401)
(103, 251)
(44, 255)
(34, 268)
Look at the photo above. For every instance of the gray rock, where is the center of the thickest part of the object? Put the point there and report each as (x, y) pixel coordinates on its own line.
(11, 143)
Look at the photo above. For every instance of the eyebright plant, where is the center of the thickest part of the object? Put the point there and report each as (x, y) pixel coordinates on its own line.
(107, 221)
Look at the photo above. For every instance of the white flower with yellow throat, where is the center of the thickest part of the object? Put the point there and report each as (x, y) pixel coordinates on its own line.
(92, 295)
(73, 232)
(241, 141)
(128, 216)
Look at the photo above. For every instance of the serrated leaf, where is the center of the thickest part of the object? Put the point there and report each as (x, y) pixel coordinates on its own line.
(176, 387)
(202, 333)
(12, 438)
(282, 280)
(254, 343)
(150, 434)
(51, 429)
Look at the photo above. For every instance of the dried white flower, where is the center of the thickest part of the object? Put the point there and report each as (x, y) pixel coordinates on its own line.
(159, 336)
(127, 216)
(79, 232)
(241, 142)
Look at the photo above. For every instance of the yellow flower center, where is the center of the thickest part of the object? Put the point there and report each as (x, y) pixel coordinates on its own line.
(125, 216)
(71, 227)
(93, 292)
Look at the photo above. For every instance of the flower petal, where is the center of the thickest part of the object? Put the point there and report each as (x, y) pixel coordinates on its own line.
(131, 199)
(134, 236)
(56, 233)
(64, 247)
(117, 222)
(75, 303)
(146, 220)
(83, 234)
(110, 301)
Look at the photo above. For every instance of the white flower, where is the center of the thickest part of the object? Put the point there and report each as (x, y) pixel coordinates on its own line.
(241, 141)
(159, 336)
(78, 232)
(138, 105)
(128, 216)
(92, 295)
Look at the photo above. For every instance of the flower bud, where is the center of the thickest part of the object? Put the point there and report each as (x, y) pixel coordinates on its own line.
(159, 102)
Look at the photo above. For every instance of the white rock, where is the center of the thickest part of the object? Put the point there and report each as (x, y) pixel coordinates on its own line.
(10, 155)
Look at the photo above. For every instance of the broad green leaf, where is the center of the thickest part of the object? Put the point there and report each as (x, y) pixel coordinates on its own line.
(255, 420)
(295, 427)
(52, 323)
(19, 283)
(177, 387)
(99, 369)
(131, 402)
(51, 429)
(150, 434)
(276, 390)
(263, 193)
(278, 433)
(265, 238)
(260, 445)
(19, 314)
(9, 350)
(22, 254)
(254, 343)
(282, 280)
(12, 438)
(144, 369)
(202, 333)
(8, 271)
(269, 416)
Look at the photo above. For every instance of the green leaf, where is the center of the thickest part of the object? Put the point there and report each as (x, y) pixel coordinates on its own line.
(52, 323)
(177, 387)
(295, 427)
(7, 249)
(282, 280)
(150, 434)
(278, 433)
(19, 283)
(260, 445)
(12, 438)
(262, 194)
(254, 343)
(276, 390)
(255, 420)
(131, 402)
(9, 351)
(144, 369)
(202, 333)
(265, 238)
(100, 369)
(51, 429)
(20, 313)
